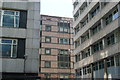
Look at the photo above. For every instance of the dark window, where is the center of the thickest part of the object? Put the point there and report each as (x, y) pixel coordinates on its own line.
(14, 48)
(47, 64)
(63, 41)
(98, 46)
(48, 28)
(21, 48)
(63, 59)
(64, 26)
(23, 19)
(111, 39)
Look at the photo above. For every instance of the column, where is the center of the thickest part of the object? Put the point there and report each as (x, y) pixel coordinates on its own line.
(92, 76)
(91, 52)
(105, 70)
(118, 6)
(102, 23)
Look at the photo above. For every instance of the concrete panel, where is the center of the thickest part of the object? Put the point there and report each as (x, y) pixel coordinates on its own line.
(15, 5)
(13, 32)
(31, 66)
(13, 65)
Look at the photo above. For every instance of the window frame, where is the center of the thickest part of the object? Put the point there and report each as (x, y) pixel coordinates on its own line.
(11, 45)
(47, 64)
(48, 37)
(16, 14)
(46, 52)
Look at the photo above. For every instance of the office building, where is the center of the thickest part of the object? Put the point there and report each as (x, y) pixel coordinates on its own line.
(97, 39)
(19, 38)
(56, 45)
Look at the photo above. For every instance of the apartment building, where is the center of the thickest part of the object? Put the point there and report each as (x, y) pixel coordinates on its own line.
(19, 38)
(56, 45)
(97, 39)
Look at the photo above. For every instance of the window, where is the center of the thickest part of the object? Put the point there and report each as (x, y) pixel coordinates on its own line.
(9, 18)
(86, 53)
(84, 22)
(77, 28)
(48, 28)
(95, 66)
(47, 64)
(64, 26)
(63, 59)
(48, 39)
(84, 37)
(63, 41)
(77, 57)
(115, 14)
(98, 46)
(117, 60)
(47, 75)
(89, 69)
(47, 51)
(93, 13)
(111, 40)
(75, 4)
(101, 64)
(77, 43)
(8, 47)
(96, 29)
(110, 62)
(109, 19)
(84, 70)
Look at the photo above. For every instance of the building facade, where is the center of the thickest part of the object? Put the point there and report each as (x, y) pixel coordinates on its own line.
(97, 39)
(56, 45)
(19, 38)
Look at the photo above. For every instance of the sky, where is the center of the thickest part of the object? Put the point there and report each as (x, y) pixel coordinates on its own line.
(62, 8)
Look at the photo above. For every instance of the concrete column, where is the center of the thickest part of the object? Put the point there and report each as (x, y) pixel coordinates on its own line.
(102, 23)
(92, 76)
(90, 33)
(103, 41)
(89, 17)
(100, 5)
(118, 6)
(91, 52)
(105, 70)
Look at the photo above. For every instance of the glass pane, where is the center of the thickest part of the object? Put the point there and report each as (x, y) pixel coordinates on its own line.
(65, 30)
(17, 13)
(17, 21)
(0, 50)
(9, 12)
(6, 50)
(6, 41)
(65, 41)
(47, 51)
(0, 17)
(14, 51)
(8, 21)
(14, 41)
(61, 40)
(61, 29)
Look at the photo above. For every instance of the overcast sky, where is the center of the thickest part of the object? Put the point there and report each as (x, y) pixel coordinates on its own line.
(61, 8)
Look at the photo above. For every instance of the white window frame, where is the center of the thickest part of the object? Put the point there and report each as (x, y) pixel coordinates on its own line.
(12, 44)
(15, 15)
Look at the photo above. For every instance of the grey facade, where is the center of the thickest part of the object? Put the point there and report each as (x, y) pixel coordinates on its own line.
(97, 39)
(19, 38)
